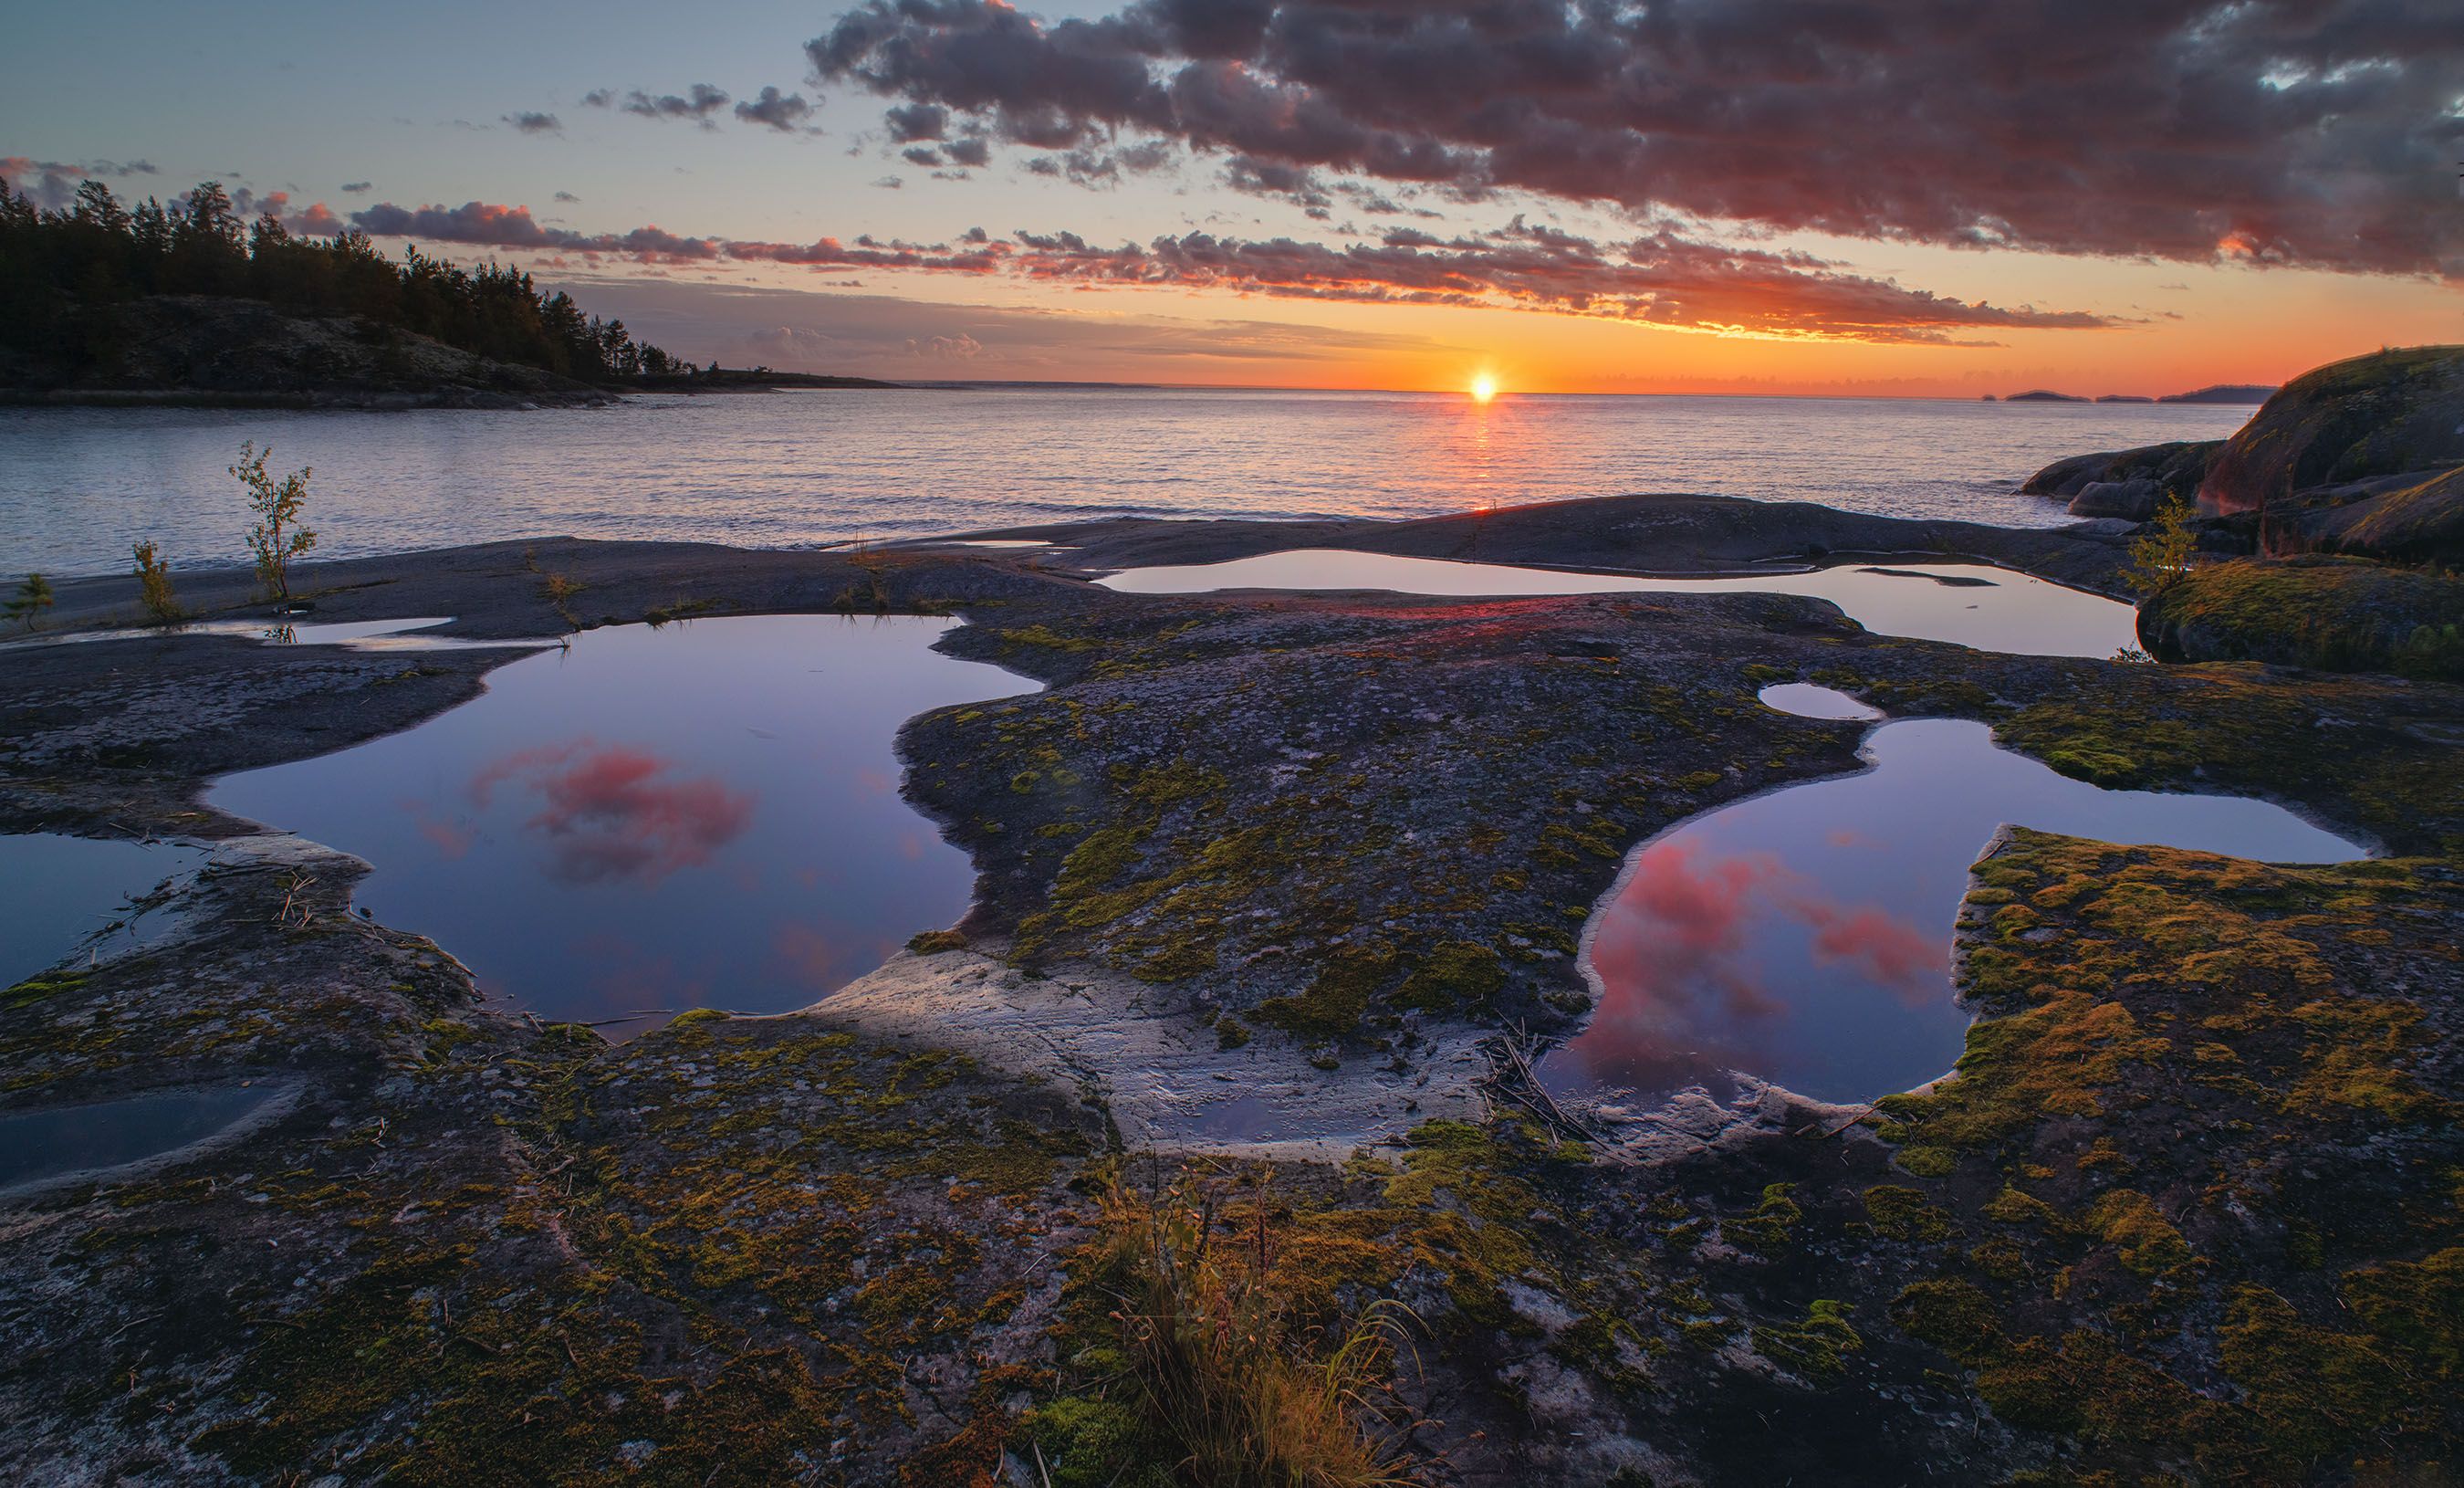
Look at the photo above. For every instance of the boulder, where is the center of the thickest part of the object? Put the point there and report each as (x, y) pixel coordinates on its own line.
(2134, 501)
(2331, 613)
(2347, 425)
(2179, 466)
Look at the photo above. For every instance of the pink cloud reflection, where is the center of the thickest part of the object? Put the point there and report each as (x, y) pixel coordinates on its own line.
(1676, 957)
(613, 813)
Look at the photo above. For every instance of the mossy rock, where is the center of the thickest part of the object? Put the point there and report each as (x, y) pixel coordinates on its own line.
(2336, 615)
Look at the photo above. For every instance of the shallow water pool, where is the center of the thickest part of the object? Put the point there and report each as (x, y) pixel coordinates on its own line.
(60, 1140)
(704, 814)
(60, 890)
(1803, 935)
(356, 634)
(1967, 604)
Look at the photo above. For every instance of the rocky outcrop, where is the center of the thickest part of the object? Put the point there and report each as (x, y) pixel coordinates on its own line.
(2178, 467)
(2132, 500)
(2334, 615)
(2358, 457)
(219, 352)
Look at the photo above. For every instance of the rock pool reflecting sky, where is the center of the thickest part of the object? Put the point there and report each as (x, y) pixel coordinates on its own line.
(61, 889)
(706, 814)
(1803, 935)
(1967, 604)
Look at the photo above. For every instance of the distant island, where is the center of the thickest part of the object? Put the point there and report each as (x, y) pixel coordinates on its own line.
(104, 304)
(2222, 392)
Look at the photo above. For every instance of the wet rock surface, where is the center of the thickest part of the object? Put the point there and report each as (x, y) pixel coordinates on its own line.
(2187, 1210)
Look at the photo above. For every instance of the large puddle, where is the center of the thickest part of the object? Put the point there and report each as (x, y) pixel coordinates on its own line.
(1967, 604)
(61, 892)
(1804, 936)
(356, 634)
(37, 1146)
(699, 815)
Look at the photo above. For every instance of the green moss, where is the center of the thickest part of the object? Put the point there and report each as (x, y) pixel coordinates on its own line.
(2341, 614)
(1812, 1347)
(1336, 997)
(1454, 976)
(1902, 1214)
(933, 943)
(1770, 1226)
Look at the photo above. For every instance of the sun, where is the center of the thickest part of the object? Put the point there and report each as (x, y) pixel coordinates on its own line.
(1484, 388)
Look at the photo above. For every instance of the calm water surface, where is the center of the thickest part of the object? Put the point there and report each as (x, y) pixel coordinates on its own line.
(1967, 604)
(1804, 936)
(35, 1145)
(55, 891)
(794, 469)
(704, 814)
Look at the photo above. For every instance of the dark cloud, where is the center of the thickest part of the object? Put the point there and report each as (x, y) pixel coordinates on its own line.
(697, 104)
(973, 151)
(920, 155)
(2316, 132)
(357, 188)
(535, 122)
(479, 224)
(599, 97)
(1660, 277)
(786, 112)
(916, 122)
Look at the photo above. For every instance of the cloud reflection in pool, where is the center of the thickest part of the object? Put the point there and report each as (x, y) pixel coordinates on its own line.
(706, 814)
(1803, 935)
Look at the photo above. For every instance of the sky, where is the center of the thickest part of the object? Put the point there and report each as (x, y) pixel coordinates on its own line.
(1885, 197)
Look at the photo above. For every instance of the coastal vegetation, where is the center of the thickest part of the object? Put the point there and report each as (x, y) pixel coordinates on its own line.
(278, 537)
(65, 274)
(154, 582)
(32, 597)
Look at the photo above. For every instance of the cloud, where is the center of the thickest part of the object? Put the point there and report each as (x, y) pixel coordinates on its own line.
(48, 184)
(882, 334)
(946, 348)
(611, 813)
(2312, 132)
(918, 121)
(1658, 278)
(697, 104)
(562, 196)
(357, 188)
(783, 112)
(535, 122)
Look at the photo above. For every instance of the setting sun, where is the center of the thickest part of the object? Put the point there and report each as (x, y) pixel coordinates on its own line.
(1484, 388)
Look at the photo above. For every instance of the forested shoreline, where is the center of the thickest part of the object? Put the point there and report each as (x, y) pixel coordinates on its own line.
(65, 275)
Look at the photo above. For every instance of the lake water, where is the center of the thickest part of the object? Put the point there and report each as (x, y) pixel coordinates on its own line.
(795, 469)
(704, 814)
(1967, 604)
(1803, 935)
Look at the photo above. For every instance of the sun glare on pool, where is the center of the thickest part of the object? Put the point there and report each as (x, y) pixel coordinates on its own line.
(1484, 388)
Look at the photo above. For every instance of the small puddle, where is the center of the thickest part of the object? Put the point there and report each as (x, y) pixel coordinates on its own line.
(1967, 604)
(59, 890)
(704, 814)
(357, 634)
(40, 1145)
(1803, 935)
